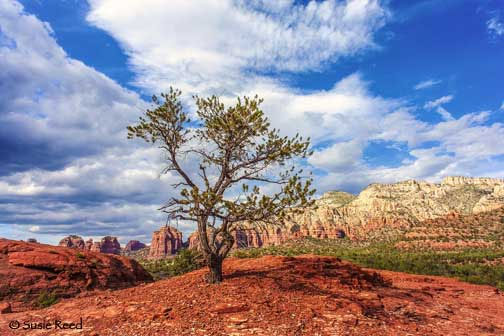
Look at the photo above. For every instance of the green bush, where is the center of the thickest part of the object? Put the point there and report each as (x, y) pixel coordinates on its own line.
(185, 261)
(46, 299)
(80, 255)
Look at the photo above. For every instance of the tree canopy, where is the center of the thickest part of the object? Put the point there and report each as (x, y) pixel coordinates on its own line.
(225, 159)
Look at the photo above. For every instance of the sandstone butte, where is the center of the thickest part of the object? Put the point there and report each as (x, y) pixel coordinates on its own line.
(107, 244)
(28, 269)
(165, 242)
(282, 296)
(379, 210)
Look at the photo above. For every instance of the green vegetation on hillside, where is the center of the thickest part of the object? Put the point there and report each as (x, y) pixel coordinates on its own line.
(46, 299)
(185, 261)
(479, 266)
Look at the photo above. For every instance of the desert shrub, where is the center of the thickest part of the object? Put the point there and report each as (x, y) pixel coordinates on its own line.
(185, 261)
(467, 265)
(80, 255)
(46, 299)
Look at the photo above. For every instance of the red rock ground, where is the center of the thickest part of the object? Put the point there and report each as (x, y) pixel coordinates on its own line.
(28, 269)
(307, 295)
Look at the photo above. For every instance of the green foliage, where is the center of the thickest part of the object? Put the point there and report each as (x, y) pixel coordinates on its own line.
(500, 285)
(80, 255)
(185, 261)
(234, 147)
(46, 299)
(471, 265)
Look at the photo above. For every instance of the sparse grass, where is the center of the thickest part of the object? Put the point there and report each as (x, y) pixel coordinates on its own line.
(185, 261)
(469, 265)
(46, 299)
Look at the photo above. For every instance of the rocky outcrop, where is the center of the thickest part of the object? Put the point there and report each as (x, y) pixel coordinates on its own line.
(273, 295)
(110, 245)
(107, 244)
(72, 241)
(28, 269)
(379, 211)
(165, 242)
(134, 245)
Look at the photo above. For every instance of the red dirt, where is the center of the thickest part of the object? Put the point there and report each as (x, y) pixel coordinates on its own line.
(307, 295)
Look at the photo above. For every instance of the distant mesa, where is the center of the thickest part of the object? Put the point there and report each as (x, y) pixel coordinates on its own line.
(379, 212)
(32, 240)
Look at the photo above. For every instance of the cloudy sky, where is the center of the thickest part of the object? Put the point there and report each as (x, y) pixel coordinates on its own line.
(387, 90)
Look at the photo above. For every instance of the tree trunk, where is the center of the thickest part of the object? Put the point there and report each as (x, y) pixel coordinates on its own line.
(215, 268)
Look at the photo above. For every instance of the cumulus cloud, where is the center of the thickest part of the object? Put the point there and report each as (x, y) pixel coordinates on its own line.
(74, 172)
(53, 108)
(427, 84)
(66, 166)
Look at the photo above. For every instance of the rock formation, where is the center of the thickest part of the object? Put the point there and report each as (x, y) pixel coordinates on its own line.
(108, 244)
(26, 270)
(134, 245)
(165, 242)
(380, 210)
(272, 295)
(72, 241)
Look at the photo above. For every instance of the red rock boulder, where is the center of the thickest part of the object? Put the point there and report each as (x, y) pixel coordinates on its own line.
(28, 269)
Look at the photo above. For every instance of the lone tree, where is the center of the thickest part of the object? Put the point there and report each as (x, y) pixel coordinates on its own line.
(228, 151)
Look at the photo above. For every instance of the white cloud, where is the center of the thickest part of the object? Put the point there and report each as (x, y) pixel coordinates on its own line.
(427, 84)
(438, 102)
(34, 228)
(340, 156)
(495, 27)
(444, 113)
(211, 46)
(502, 106)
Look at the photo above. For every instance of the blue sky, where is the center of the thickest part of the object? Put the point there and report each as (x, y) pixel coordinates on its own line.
(388, 91)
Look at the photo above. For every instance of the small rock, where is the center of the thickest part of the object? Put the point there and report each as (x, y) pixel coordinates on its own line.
(5, 308)
(227, 308)
(238, 319)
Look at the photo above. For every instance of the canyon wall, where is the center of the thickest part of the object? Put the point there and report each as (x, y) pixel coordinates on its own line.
(378, 211)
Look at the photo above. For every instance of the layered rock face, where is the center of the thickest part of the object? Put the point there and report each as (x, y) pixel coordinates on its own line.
(379, 210)
(134, 245)
(165, 242)
(107, 244)
(28, 269)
